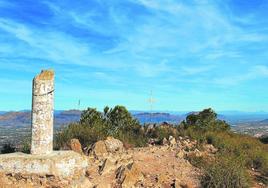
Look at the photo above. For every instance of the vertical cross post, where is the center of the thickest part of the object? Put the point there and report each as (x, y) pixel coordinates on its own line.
(151, 102)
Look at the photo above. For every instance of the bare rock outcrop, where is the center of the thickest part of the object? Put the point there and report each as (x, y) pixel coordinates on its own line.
(112, 166)
(58, 169)
(129, 176)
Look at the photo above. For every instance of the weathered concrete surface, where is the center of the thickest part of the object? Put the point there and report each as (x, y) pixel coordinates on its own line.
(42, 113)
(61, 164)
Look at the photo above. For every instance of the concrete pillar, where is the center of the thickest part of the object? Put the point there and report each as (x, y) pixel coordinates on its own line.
(42, 113)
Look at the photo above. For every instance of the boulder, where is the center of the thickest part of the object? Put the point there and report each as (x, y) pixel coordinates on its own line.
(99, 149)
(128, 176)
(75, 145)
(113, 145)
(103, 148)
(107, 166)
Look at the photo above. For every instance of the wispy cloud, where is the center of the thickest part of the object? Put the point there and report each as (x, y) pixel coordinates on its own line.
(136, 44)
(255, 72)
(196, 70)
(152, 70)
(260, 70)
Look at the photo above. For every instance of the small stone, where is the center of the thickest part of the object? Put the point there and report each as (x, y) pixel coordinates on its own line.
(113, 145)
(75, 146)
(164, 142)
(84, 183)
(103, 185)
(180, 154)
(172, 141)
(210, 148)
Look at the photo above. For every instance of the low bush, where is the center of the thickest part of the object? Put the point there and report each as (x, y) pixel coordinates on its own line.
(264, 139)
(26, 145)
(227, 172)
(8, 148)
(95, 125)
(162, 132)
(84, 133)
(236, 153)
(229, 167)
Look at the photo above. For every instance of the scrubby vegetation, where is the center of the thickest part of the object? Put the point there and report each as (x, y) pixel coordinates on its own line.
(264, 139)
(95, 125)
(8, 148)
(236, 153)
(230, 167)
(225, 171)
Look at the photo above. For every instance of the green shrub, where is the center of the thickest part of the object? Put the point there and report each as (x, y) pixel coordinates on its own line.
(84, 133)
(8, 148)
(136, 139)
(205, 120)
(162, 132)
(26, 145)
(241, 151)
(264, 139)
(197, 161)
(254, 152)
(95, 125)
(226, 172)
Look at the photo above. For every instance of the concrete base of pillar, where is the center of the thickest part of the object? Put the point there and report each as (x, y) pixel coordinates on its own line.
(62, 164)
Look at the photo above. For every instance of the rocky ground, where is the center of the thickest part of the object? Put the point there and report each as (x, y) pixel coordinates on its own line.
(111, 165)
(153, 166)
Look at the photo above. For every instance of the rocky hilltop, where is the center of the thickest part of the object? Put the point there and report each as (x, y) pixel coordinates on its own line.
(111, 164)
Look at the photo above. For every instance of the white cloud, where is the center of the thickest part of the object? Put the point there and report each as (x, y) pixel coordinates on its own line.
(255, 72)
(196, 69)
(260, 70)
(152, 70)
(172, 31)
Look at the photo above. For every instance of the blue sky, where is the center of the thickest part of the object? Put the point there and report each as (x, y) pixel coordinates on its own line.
(191, 54)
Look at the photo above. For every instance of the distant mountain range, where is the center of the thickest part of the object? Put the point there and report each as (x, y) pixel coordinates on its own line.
(264, 121)
(158, 117)
(23, 118)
